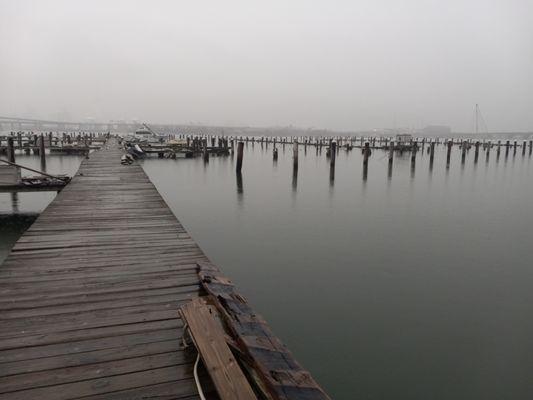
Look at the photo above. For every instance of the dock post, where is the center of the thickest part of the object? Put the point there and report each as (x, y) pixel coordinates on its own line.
(514, 148)
(463, 152)
(366, 155)
(19, 140)
(295, 155)
(391, 157)
(524, 148)
(476, 153)
(431, 153)
(50, 138)
(413, 154)
(240, 149)
(449, 153)
(42, 153)
(275, 154)
(205, 152)
(530, 146)
(10, 150)
(507, 146)
(332, 150)
(35, 144)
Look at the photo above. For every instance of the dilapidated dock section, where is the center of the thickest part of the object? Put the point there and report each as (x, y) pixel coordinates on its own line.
(90, 297)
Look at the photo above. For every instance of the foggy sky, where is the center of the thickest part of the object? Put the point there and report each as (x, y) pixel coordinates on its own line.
(330, 64)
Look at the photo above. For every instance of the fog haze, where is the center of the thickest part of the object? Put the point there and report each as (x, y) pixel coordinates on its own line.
(346, 65)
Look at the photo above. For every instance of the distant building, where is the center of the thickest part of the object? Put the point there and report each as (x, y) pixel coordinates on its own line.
(436, 130)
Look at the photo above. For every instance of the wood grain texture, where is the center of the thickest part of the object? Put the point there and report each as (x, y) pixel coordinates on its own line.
(209, 339)
(279, 373)
(89, 294)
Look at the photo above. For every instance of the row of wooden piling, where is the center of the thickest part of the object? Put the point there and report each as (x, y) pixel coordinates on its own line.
(39, 150)
(465, 146)
(322, 141)
(37, 143)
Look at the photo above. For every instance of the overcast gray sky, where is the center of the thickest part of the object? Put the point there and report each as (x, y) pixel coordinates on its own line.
(332, 64)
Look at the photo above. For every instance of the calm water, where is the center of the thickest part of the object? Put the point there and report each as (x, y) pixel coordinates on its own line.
(19, 210)
(417, 287)
(414, 287)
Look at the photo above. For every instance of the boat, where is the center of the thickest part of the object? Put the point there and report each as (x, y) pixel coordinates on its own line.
(143, 133)
(404, 141)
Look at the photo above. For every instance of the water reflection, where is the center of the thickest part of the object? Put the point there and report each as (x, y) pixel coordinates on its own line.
(15, 202)
(240, 189)
(331, 174)
(413, 164)
(294, 179)
(12, 226)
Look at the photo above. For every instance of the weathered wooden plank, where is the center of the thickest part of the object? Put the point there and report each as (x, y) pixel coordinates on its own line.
(209, 339)
(89, 295)
(104, 385)
(281, 375)
(151, 332)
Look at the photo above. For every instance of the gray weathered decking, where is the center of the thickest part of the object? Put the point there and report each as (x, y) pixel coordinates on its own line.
(89, 294)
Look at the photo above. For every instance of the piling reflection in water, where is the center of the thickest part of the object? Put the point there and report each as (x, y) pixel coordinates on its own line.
(331, 174)
(240, 189)
(15, 202)
(294, 179)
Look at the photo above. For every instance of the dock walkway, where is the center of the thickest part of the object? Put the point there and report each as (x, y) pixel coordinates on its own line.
(89, 294)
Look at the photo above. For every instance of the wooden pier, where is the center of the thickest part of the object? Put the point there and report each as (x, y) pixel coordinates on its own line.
(89, 296)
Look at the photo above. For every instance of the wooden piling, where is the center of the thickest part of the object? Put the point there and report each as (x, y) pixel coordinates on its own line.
(391, 157)
(413, 154)
(449, 153)
(333, 152)
(205, 153)
(431, 153)
(10, 150)
(366, 155)
(240, 150)
(295, 154)
(476, 153)
(42, 152)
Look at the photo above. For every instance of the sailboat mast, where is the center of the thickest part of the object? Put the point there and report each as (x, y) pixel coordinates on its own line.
(476, 113)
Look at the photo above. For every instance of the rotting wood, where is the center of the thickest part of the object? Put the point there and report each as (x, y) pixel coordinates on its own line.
(208, 337)
(279, 372)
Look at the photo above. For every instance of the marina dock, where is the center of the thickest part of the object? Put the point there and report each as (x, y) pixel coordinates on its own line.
(89, 295)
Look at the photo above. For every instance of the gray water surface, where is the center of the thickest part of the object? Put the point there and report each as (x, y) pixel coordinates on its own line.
(414, 287)
(19, 210)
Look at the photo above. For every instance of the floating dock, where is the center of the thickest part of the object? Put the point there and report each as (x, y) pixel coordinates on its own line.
(89, 296)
